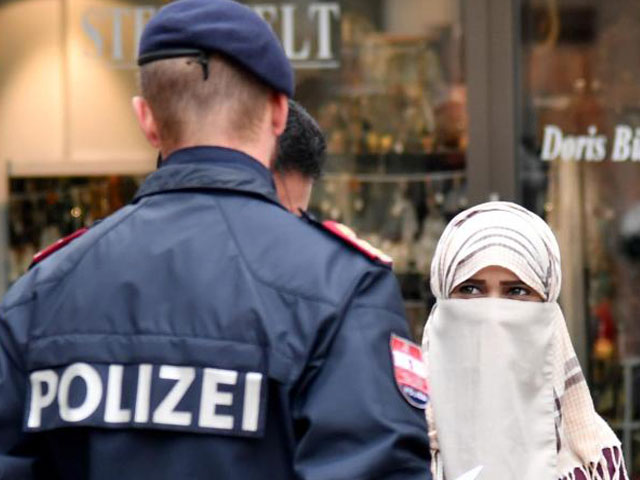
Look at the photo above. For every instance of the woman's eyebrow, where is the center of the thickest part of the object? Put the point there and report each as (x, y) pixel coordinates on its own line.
(474, 280)
(514, 283)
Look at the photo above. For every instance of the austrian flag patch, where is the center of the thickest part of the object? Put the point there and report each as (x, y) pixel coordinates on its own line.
(409, 371)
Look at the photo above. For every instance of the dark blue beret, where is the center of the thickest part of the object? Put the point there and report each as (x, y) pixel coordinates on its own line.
(199, 27)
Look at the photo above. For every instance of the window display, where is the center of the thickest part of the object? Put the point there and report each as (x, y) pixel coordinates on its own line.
(577, 167)
(42, 210)
(383, 78)
(395, 118)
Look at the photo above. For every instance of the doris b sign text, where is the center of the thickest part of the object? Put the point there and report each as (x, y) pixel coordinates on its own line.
(591, 146)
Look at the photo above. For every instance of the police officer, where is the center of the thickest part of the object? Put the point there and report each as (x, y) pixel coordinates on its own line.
(302, 153)
(204, 331)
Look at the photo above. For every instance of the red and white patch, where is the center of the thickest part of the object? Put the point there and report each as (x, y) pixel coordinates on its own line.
(410, 371)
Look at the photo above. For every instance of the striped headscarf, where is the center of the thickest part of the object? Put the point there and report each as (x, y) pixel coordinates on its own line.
(497, 233)
(507, 235)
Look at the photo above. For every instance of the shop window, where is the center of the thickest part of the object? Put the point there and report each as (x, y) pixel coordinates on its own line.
(579, 164)
(384, 78)
(42, 210)
(395, 117)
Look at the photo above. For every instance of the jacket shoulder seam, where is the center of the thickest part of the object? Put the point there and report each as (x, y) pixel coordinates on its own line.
(361, 306)
(58, 277)
(256, 276)
(19, 303)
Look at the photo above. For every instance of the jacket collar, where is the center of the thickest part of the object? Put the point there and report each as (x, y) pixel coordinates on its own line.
(210, 168)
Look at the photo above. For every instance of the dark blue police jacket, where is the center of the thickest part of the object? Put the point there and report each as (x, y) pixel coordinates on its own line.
(204, 332)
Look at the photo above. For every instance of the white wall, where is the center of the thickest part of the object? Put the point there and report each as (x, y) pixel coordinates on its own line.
(31, 86)
(63, 108)
(417, 17)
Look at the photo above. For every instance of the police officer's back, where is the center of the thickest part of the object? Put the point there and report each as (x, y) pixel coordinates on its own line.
(203, 331)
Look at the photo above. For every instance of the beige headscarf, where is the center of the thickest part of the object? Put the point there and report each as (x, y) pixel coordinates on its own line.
(580, 444)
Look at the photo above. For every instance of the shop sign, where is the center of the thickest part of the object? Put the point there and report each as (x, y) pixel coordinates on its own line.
(310, 51)
(307, 32)
(592, 147)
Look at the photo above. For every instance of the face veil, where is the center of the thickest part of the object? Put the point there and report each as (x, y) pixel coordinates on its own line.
(507, 391)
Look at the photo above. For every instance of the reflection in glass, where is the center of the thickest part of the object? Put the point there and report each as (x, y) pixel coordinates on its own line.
(395, 118)
(580, 111)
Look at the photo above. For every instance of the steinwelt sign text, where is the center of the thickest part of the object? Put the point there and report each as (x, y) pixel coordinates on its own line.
(308, 32)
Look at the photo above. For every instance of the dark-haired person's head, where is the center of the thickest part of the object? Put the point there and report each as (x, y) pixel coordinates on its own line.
(300, 160)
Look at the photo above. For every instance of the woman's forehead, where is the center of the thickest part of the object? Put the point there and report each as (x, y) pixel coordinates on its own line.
(496, 273)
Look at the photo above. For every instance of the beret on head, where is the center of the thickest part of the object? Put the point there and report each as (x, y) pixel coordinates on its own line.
(499, 234)
(187, 27)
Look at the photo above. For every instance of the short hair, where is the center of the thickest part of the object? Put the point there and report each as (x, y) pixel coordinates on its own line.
(182, 100)
(302, 147)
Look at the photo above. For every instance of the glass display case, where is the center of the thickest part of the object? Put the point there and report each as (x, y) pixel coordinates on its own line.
(395, 118)
(383, 78)
(42, 210)
(578, 168)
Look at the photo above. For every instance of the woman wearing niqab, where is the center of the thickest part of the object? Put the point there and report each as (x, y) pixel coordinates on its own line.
(508, 397)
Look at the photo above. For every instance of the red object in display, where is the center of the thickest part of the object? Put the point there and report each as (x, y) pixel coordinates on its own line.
(604, 344)
(63, 242)
(606, 325)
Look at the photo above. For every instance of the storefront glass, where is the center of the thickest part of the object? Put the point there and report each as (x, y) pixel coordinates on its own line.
(579, 167)
(384, 79)
(42, 210)
(394, 112)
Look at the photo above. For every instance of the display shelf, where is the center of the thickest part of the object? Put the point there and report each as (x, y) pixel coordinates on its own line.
(81, 168)
(417, 304)
(397, 163)
(394, 177)
(622, 425)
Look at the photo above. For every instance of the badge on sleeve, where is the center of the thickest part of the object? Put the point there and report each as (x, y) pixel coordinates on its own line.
(409, 371)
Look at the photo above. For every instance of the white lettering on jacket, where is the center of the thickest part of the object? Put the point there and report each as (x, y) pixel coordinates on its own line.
(192, 398)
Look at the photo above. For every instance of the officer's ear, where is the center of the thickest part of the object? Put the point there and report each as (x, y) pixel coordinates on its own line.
(279, 112)
(146, 121)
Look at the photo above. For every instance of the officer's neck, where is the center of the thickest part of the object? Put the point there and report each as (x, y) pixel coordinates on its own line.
(261, 149)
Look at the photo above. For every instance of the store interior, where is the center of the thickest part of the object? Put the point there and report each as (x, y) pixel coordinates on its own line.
(393, 111)
(579, 74)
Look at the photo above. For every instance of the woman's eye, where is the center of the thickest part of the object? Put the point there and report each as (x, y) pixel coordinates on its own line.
(519, 292)
(469, 290)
